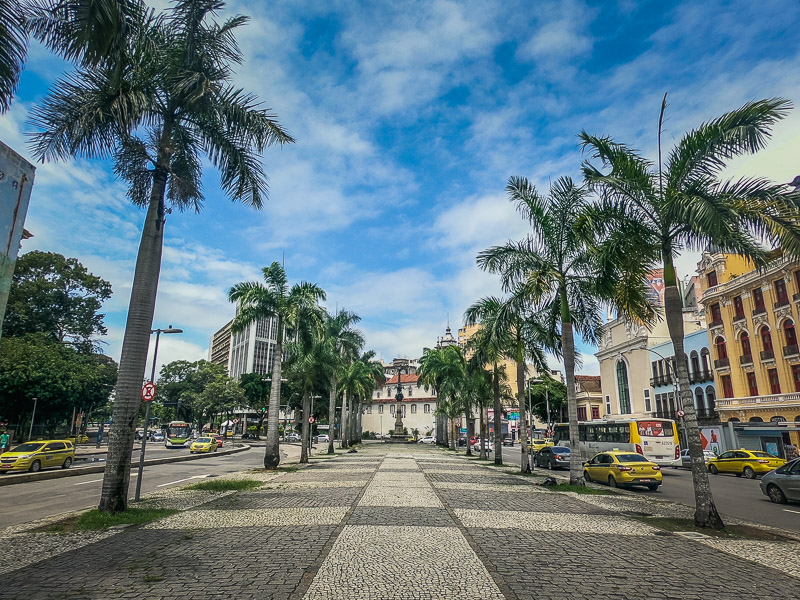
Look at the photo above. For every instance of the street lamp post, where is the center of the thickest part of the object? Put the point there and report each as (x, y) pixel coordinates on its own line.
(158, 333)
(33, 416)
(311, 414)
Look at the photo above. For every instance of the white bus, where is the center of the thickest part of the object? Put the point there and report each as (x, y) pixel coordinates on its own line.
(655, 439)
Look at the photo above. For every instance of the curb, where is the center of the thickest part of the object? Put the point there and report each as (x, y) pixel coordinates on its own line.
(43, 475)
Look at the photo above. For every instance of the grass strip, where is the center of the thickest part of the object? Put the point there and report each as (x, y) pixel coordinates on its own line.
(742, 532)
(579, 489)
(225, 485)
(94, 519)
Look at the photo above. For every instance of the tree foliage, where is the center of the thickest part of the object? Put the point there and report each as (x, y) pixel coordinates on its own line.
(57, 297)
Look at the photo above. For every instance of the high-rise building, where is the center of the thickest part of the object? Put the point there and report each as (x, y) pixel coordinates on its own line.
(249, 351)
(219, 350)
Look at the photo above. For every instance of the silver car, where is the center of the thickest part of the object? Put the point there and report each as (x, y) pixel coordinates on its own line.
(782, 484)
(685, 460)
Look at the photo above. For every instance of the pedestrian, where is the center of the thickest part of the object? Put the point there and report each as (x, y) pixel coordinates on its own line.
(99, 435)
(5, 441)
(791, 451)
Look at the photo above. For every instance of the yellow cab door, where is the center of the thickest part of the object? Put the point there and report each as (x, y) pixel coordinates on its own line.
(726, 461)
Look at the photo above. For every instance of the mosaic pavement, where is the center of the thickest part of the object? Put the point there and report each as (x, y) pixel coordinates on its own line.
(393, 523)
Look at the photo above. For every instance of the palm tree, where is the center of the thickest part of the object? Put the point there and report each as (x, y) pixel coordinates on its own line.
(684, 204)
(556, 270)
(13, 49)
(357, 383)
(291, 308)
(173, 89)
(444, 370)
(346, 343)
(371, 374)
(517, 333)
(479, 390)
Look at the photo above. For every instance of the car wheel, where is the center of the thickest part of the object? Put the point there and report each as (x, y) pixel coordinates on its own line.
(713, 469)
(586, 476)
(67, 463)
(612, 482)
(776, 494)
(36, 467)
(550, 465)
(749, 473)
(652, 487)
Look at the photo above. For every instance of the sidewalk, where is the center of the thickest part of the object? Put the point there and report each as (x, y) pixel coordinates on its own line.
(392, 522)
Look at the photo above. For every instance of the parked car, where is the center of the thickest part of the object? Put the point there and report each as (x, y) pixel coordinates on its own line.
(34, 456)
(508, 441)
(750, 463)
(536, 445)
(620, 468)
(428, 439)
(292, 437)
(783, 484)
(476, 447)
(322, 438)
(552, 457)
(686, 462)
(204, 444)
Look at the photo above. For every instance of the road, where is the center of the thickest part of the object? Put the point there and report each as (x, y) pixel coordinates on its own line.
(38, 499)
(734, 496)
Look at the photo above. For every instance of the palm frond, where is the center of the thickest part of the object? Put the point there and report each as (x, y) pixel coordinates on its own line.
(13, 50)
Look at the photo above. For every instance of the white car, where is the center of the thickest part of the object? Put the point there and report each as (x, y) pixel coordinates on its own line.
(428, 439)
(322, 437)
(476, 447)
(685, 461)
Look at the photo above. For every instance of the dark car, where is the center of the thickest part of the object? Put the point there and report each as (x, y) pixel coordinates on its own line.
(783, 484)
(508, 441)
(552, 457)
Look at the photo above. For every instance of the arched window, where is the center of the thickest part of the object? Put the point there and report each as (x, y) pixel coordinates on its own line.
(733, 420)
(797, 419)
(789, 333)
(699, 404)
(711, 400)
(695, 360)
(722, 348)
(745, 341)
(756, 420)
(766, 339)
(777, 419)
(413, 408)
(623, 388)
(705, 360)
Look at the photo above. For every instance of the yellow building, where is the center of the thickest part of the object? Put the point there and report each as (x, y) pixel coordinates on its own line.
(751, 317)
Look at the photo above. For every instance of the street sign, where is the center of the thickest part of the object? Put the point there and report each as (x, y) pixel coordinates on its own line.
(235, 421)
(311, 420)
(149, 392)
(681, 413)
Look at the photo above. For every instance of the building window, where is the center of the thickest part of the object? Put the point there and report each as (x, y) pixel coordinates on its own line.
(796, 377)
(695, 360)
(758, 301)
(427, 408)
(774, 382)
(581, 413)
(789, 333)
(711, 403)
(410, 391)
(727, 386)
(705, 360)
(722, 348)
(369, 409)
(403, 410)
(766, 339)
(380, 409)
(595, 412)
(379, 394)
(608, 405)
(745, 340)
(716, 313)
(738, 307)
(392, 409)
(711, 279)
(647, 405)
(623, 389)
(752, 384)
(780, 292)
(699, 405)
(413, 408)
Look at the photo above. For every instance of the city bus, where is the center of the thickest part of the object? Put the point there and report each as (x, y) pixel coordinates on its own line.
(655, 439)
(178, 433)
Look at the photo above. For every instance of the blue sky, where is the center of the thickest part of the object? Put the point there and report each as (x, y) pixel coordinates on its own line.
(409, 119)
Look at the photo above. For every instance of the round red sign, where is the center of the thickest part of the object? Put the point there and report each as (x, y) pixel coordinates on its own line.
(149, 392)
(311, 419)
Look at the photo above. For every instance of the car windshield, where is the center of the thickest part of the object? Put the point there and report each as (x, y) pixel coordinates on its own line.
(203, 440)
(560, 449)
(29, 447)
(623, 458)
(762, 455)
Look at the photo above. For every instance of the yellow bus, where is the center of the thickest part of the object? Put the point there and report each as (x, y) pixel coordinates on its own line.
(655, 439)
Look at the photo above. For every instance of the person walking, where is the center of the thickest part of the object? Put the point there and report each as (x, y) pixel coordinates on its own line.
(5, 441)
(99, 435)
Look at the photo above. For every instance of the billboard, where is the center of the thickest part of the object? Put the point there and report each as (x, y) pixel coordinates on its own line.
(710, 438)
(16, 182)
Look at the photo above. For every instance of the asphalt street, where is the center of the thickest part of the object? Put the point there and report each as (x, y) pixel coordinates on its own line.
(37, 499)
(734, 496)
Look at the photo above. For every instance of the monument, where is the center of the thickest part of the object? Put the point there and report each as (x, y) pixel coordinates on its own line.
(398, 436)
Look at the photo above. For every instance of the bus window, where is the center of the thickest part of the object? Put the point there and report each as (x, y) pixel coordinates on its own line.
(624, 433)
(591, 433)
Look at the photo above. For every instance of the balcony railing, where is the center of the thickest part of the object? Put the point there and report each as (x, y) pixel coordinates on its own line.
(721, 363)
(767, 355)
(717, 323)
(791, 400)
(759, 311)
(781, 302)
(739, 317)
(790, 350)
(701, 377)
(746, 359)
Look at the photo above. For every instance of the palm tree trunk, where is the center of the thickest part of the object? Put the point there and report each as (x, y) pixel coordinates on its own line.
(470, 428)
(498, 418)
(353, 420)
(523, 428)
(331, 412)
(482, 435)
(306, 427)
(272, 453)
(705, 512)
(359, 422)
(135, 344)
(344, 420)
(568, 348)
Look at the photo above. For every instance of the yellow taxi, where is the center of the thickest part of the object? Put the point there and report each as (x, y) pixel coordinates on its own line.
(81, 438)
(749, 463)
(35, 456)
(536, 445)
(204, 444)
(620, 468)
